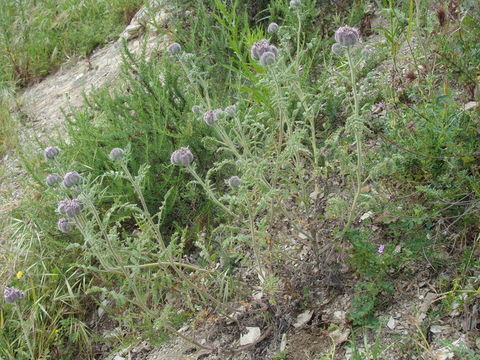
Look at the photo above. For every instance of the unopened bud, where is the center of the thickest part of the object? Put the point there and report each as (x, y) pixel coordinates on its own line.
(116, 154)
(174, 48)
(53, 179)
(64, 225)
(51, 152)
(234, 182)
(272, 28)
(72, 178)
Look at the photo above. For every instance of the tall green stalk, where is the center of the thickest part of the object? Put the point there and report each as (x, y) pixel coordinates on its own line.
(358, 140)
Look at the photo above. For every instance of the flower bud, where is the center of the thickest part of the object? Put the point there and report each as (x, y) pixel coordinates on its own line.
(234, 182)
(64, 225)
(70, 207)
(212, 116)
(51, 152)
(338, 49)
(261, 47)
(196, 109)
(230, 110)
(71, 178)
(12, 295)
(62, 204)
(53, 179)
(272, 28)
(73, 208)
(116, 154)
(183, 157)
(174, 48)
(347, 36)
(267, 58)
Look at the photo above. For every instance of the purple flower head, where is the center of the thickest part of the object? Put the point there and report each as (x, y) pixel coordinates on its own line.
(64, 225)
(212, 116)
(72, 178)
(347, 36)
(70, 208)
(53, 179)
(182, 156)
(267, 58)
(174, 48)
(261, 47)
(116, 154)
(234, 182)
(381, 248)
(12, 295)
(272, 28)
(51, 152)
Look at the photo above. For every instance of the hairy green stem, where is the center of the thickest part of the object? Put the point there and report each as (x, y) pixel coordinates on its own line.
(358, 141)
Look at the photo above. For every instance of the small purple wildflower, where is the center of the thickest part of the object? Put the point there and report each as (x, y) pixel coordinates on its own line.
(12, 295)
(381, 248)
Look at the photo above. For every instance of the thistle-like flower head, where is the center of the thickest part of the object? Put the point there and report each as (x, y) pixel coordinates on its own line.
(116, 154)
(212, 116)
(261, 47)
(70, 208)
(174, 48)
(234, 182)
(53, 179)
(272, 28)
(64, 225)
(72, 178)
(347, 36)
(182, 156)
(51, 152)
(12, 295)
(267, 58)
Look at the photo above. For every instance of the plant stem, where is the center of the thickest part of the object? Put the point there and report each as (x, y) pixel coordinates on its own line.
(358, 141)
(25, 331)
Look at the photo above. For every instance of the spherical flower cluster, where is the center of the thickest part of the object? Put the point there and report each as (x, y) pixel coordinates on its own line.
(212, 116)
(12, 295)
(267, 58)
(294, 3)
(234, 182)
(53, 179)
(64, 225)
(51, 152)
(174, 48)
(347, 36)
(70, 208)
(72, 178)
(261, 47)
(116, 154)
(272, 28)
(182, 156)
